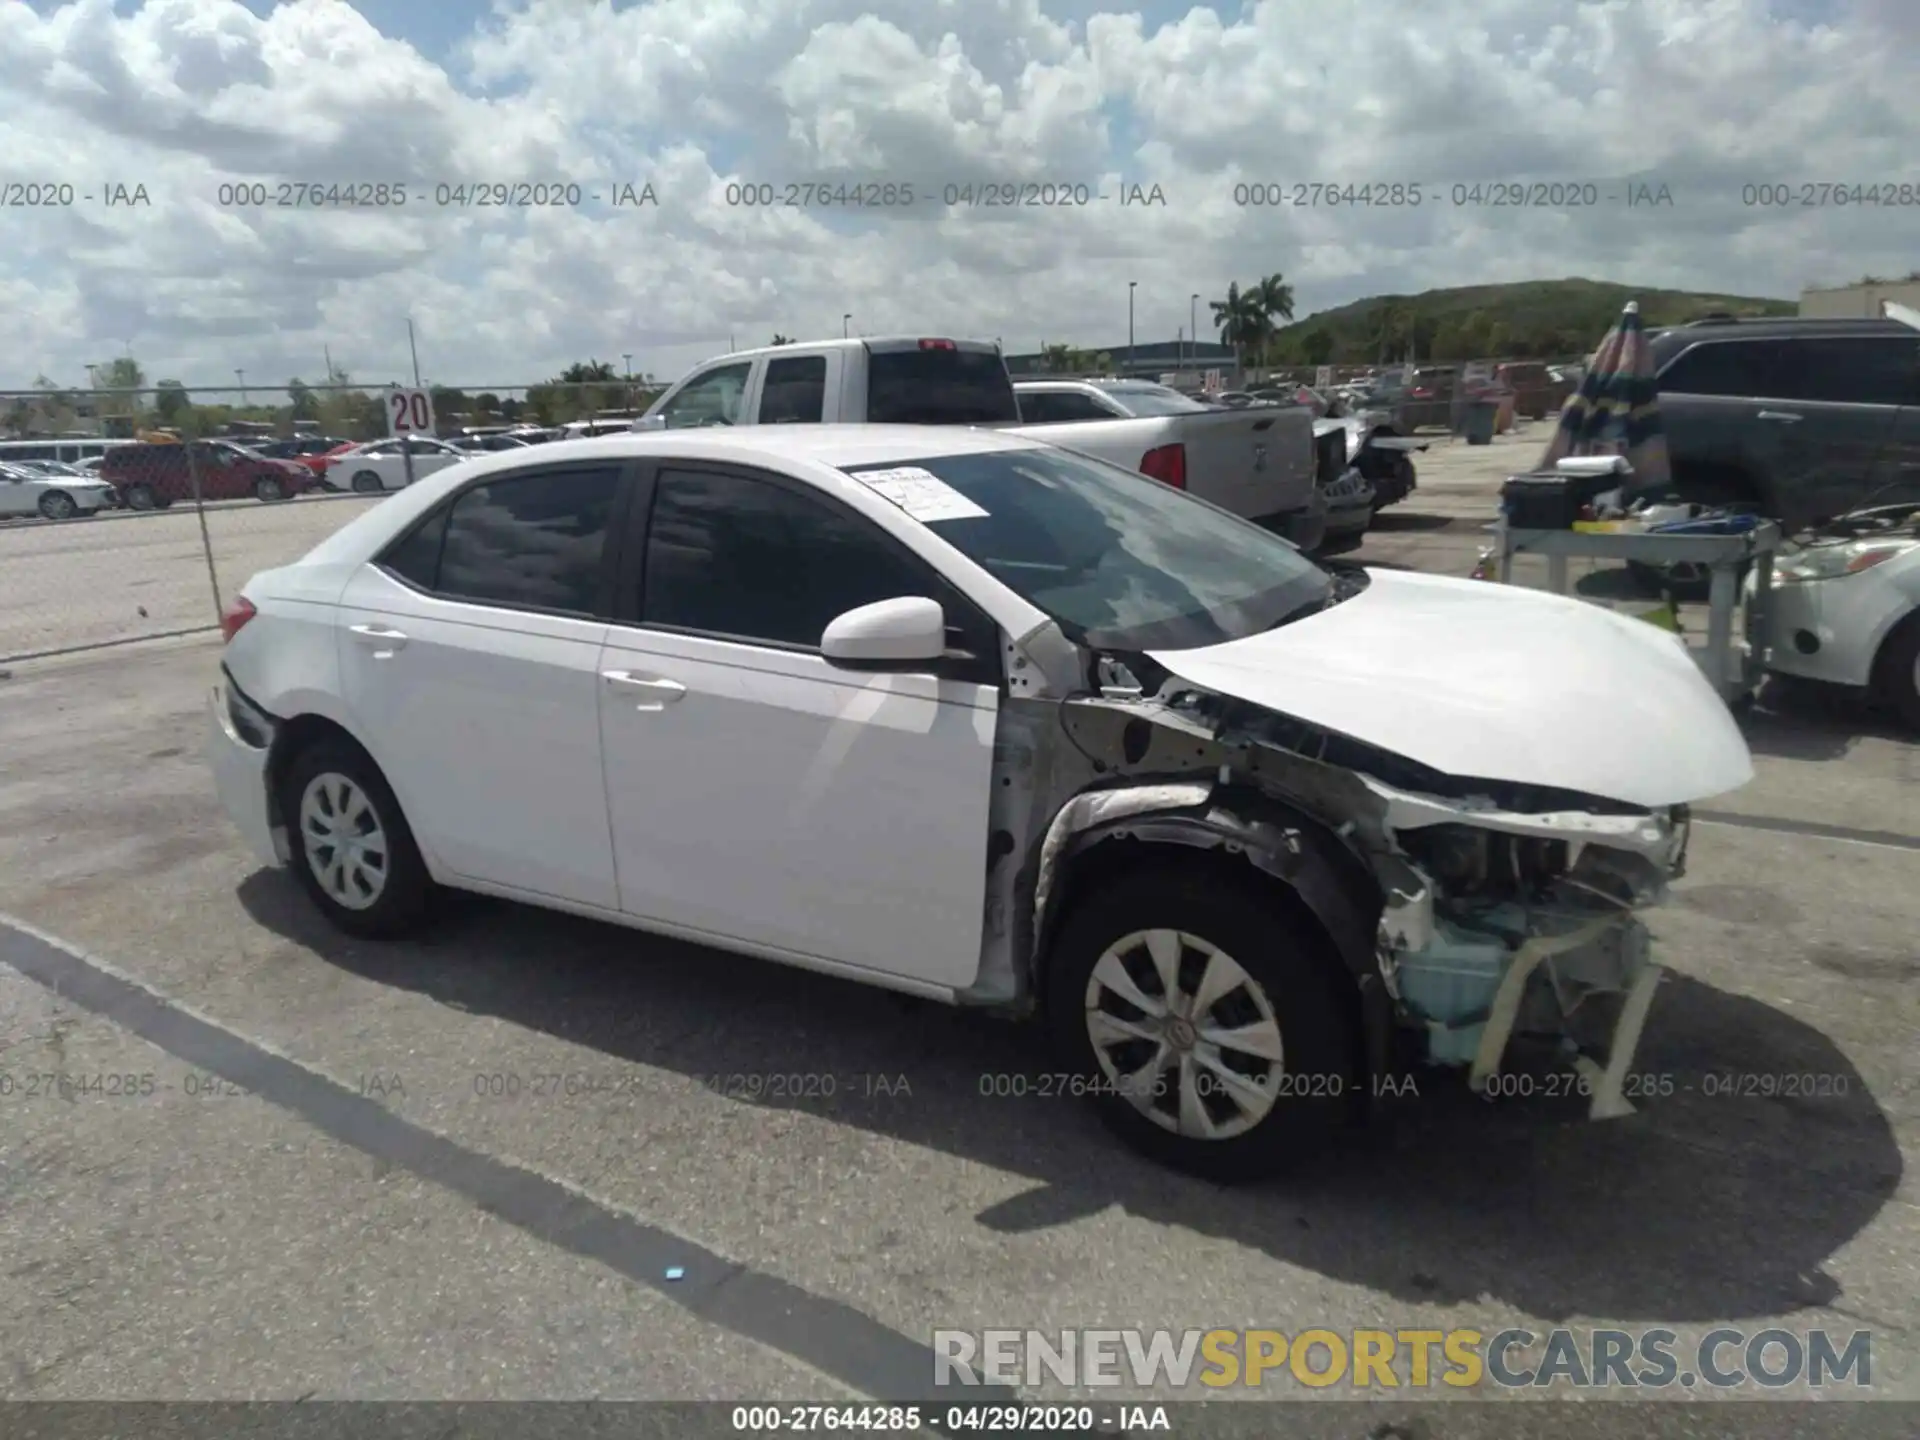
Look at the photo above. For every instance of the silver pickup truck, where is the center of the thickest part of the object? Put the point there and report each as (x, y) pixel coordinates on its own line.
(1259, 464)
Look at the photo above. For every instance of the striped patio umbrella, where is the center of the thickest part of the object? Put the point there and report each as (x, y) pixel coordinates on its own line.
(1616, 410)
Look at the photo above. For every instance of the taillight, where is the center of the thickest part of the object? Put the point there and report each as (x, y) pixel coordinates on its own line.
(1167, 464)
(238, 612)
(936, 345)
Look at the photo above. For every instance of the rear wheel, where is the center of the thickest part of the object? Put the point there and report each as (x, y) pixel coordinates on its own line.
(141, 497)
(1209, 1026)
(351, 846)
(367, 483)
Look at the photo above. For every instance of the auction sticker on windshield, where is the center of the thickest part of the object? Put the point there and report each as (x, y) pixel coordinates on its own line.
(921, 493)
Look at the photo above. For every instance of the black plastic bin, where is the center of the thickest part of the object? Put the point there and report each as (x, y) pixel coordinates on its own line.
(1551, 501)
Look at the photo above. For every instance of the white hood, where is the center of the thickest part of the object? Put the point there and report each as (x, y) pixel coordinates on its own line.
(1493, 682)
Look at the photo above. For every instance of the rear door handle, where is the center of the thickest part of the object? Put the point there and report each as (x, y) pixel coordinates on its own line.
(662, 693)
(1784, 417)
(387, 639)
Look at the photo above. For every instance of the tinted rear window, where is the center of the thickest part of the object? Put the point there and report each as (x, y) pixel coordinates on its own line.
(939, 387)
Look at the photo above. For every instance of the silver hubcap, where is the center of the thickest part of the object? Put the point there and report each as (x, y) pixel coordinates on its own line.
(59, 507)
(345, 843)
(1184, 1034)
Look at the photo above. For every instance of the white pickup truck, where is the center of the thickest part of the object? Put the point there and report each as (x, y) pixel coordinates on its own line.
(1259, 464)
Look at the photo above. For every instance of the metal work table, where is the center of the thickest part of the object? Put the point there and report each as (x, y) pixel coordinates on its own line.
(1735, 677)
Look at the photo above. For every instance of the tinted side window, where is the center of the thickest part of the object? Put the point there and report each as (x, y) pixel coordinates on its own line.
(416, 557)
(730, 555)
(938, 387)
(795, 391)
(1864, 371)
(534, 542)
(1728, 367)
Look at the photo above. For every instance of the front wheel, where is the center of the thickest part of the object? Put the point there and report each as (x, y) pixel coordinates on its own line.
(1213, 1029)
(141, 497)
(57, 505)
(367, 483)
(269, 488)
(1897, 672)
(351, 846)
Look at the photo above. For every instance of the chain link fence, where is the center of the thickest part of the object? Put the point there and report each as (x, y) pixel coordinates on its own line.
(135, 514)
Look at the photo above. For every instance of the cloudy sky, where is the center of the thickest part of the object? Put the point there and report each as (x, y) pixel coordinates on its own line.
(573, 99)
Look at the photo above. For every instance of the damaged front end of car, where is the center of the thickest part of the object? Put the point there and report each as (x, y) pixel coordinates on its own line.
(1466, 913)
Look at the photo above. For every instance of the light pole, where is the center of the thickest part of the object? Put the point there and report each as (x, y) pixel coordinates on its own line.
(241, 376)
(1193, 329)
(415, 352)
(1131, 285)
(844, 321)
(626, 375)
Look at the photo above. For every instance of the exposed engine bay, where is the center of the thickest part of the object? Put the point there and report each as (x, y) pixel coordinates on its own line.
(1468, 912)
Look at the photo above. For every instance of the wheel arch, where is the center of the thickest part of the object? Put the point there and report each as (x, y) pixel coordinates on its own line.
(1886, 651)
(1247, 838)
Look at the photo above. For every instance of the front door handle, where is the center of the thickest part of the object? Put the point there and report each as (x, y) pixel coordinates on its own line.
(662, 692)
(1784, 417)
(387, 639)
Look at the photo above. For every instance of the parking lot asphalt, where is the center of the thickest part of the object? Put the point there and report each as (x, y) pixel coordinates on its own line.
(530, 1156)
(125, 575)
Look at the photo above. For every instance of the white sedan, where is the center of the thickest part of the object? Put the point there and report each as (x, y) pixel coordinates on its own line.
(1845, 609)
(968, 716)
(381, 465)
(31, 491)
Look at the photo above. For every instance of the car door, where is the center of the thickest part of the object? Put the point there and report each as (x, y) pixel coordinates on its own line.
(18, 496)
(758, 793)
(1829, 416)
(794, 389)
(722, 395)
(469, 662)
(429, 456)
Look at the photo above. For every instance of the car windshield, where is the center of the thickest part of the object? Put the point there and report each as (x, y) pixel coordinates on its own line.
(1119, 561)
(1154, 400)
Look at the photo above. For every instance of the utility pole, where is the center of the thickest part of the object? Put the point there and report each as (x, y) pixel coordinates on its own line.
(241, 376)
(414, 350)
(1193, 329)
(845, 320)
(1131, 286)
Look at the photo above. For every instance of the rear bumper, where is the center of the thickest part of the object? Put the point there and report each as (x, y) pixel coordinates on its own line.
(1305, 527)
(240, 780)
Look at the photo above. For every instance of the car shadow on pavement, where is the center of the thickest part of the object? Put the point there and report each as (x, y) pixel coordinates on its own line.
(1801, 720)
(1395, 521)
(1704, 1206)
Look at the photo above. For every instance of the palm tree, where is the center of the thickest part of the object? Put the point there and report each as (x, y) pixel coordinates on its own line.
(1388, 332)
(1273, 297)
(1239, 320)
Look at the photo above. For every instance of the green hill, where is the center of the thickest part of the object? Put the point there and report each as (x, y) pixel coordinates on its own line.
(1541, 319)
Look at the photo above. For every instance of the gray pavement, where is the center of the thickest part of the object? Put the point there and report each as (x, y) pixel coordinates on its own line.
(464, 1167)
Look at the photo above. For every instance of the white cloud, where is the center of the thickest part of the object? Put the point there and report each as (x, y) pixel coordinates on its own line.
(183, 96)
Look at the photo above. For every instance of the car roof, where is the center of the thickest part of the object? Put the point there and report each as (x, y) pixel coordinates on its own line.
(837, 446)
(1783, 327)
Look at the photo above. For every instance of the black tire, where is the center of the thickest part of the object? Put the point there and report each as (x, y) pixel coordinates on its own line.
(269, 488)
(58, 505)
(1896, 672)
(1288, 960)
(141, 497)
(368, 483)
(405, 898)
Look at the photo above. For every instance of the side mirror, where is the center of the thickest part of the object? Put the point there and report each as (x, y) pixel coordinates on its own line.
(909, 633)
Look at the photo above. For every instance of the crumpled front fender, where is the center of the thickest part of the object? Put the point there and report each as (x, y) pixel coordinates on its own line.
(1282, 842)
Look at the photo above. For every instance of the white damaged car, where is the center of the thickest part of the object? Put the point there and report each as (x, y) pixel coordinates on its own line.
(972, 717)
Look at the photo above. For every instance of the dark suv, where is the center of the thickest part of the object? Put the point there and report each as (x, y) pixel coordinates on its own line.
(1802, 419)
(153, 476)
